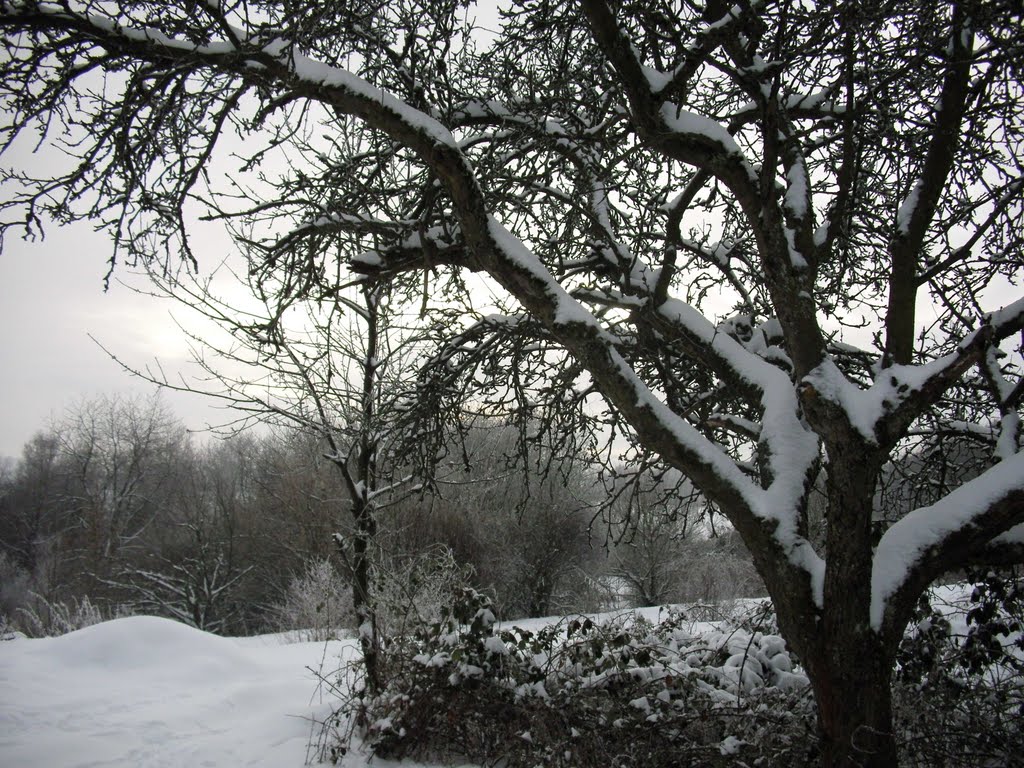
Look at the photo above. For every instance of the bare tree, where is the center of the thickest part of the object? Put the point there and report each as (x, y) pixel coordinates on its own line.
(328, 367)
(212, 544)
(648, 557)
(116, 452)
(88, 495)
(518, 516)
(87, 489)
(714, 225)
(300, 494)
(192, 588)
(28, 509)
(201, 548)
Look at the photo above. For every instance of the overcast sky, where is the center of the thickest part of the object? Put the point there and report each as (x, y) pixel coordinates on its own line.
(51, 300)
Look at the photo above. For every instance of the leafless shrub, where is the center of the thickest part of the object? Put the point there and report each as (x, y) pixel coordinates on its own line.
(317, 604)
(50, 618)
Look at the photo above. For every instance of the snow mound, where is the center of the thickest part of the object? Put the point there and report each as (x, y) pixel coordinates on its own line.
(152, 692)
(146, 645)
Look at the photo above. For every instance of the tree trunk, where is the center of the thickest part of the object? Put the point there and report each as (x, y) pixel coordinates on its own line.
(850, 669)
(850, 664)
(854, 698)
(366, 615)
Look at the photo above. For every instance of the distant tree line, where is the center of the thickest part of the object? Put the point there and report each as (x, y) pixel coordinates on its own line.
(115, 508)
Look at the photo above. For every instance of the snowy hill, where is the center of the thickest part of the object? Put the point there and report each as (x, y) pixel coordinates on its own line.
(150, 692)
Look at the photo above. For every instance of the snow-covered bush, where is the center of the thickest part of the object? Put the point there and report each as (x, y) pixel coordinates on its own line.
(690, 688)
(619, 692)
(318, 603)
(50, 618)
(28, 607)
(959, 692)
(416, 589)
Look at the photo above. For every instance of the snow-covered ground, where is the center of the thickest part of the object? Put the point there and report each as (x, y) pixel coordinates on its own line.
(145, 692)
(149, 692)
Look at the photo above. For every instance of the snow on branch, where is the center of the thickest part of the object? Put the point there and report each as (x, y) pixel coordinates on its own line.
(1007, 320)
(920, 203)
(709, 132)
(966, 519)
(336, 222)
(566, 309)
(318, 73)
(420, 250)
(250, 57)
(1013, 538)
(901, 392)
(790, 449)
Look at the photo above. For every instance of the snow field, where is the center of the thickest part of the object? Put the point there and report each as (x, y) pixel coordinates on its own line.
(150, 692)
